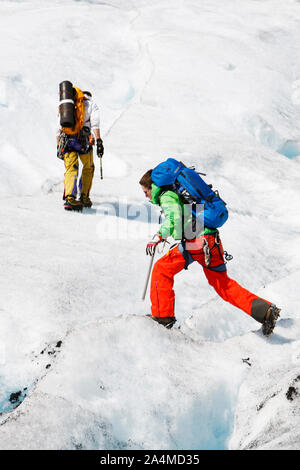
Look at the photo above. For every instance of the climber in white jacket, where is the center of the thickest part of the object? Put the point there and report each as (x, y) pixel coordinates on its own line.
(81, 146)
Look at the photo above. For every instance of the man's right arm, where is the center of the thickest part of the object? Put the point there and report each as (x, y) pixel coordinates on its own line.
(95, 126)
(172, 225)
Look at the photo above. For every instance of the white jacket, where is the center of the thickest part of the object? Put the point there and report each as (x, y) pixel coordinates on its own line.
(91, 115)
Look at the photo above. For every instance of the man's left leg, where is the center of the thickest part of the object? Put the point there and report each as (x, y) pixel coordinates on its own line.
(70, 182)
(162, 295)
(86, 179)
(260, 309)
(237, 295)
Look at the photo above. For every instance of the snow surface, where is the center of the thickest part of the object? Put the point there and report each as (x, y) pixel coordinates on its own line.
(216, 84)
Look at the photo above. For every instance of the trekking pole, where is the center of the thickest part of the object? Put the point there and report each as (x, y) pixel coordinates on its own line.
(101, 169)
(100, 151)
(148, 275)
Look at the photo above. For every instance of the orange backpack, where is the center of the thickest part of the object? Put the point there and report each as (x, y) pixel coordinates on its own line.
(79, 114)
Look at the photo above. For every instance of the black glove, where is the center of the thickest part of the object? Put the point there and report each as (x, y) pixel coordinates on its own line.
(100, 148)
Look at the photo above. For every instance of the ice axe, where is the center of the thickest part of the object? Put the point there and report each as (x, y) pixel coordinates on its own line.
(101, 169)
(150, 264)
(100, 151)
(148, 274)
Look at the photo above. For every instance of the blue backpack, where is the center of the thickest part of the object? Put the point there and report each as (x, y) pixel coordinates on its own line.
(189, 185)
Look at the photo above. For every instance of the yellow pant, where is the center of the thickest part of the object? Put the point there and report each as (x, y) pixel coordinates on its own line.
(71, 174)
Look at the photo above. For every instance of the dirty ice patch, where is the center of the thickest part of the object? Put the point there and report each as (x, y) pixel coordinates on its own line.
(13, 390)
(11, 400)
(142, 387)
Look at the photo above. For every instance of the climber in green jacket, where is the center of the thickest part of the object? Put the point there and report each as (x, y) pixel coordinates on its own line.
(204, 247)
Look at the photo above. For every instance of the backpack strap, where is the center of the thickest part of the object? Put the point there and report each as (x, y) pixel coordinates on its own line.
(164, 190)
(186, 254)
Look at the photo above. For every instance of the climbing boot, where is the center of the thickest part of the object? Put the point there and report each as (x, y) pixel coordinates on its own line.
(85, 200)
(270, 320)
(167, 322)
(72, 205)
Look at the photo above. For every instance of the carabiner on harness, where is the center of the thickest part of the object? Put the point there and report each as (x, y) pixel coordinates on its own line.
(62, 145)
(207, 253)
(227, 256)
(217, 239)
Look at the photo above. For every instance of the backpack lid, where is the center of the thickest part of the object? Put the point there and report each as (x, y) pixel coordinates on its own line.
(166, 173)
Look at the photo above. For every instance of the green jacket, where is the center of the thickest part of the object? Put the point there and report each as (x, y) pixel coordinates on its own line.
(173, 209)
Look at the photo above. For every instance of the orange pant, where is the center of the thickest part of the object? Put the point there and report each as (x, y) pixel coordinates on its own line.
(162, 294)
